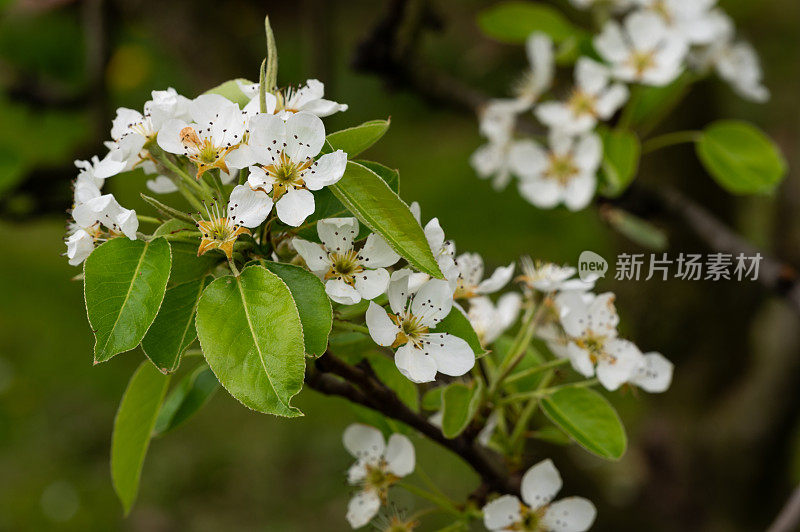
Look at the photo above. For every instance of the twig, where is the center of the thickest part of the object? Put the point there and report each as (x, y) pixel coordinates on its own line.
(788, 519)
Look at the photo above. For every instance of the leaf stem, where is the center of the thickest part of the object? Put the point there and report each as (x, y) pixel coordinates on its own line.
(670, 139)
(148, 219)
(544, 392)
(347, 326)
(537, 369)
(443, 503)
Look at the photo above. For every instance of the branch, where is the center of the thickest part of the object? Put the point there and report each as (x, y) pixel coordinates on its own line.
(375, 55)
(788, 518)
(361, 388)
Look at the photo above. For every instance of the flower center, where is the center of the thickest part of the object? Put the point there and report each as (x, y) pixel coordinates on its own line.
(288, 174)
(641, 62)
(595, 345)
(344, 266)
(219, 233)
(411, 330)
(582, 103)
(463, 289)
(562, 168)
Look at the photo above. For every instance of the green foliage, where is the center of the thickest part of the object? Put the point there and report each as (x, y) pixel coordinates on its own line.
(513, 21)
(357, 139)
(371, 200)
(191, 393)
(460, 403)
(589, 419)
(124, 285)
(173, 330)
(230, 90)
(386, 370)
(350, 346)
(649, 105)
(432, 400)
(457, 324)
(621, 151)
(312, 302)
(741, 158)
(637, 229)
(133, 426)
(251, 335)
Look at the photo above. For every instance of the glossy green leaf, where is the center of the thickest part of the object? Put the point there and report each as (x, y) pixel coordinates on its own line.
(588, 419)
(173, 330)
(649, 105)
(460, 403)
(371, 200)
(386, 370)
(124, 284)
(133, 426)
(355, 140)
(621, 151)
(457, 324)
(252, 338)
(187, 266)
(189, 396)
(513, 21)
(741, 158)
(230, 90)
(432, 400)
(312, 302)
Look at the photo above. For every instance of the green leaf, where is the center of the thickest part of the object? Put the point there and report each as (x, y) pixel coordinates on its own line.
(252, 338)
(386, 370)
(512, 22)
(636, 229)
(312, 302)
(432, 400)
(187, 266)
(371, 200)
(191, 394)
(173, 330)
(350, 346)
(621, 151)
(355, 140)
(588, 419)
(741, 158)
(133, 426)
(457, 324)
(460, 403)
(230, 90)
(124, 285)
(649, 105)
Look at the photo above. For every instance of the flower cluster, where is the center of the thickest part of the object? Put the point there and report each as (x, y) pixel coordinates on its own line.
(652, 44)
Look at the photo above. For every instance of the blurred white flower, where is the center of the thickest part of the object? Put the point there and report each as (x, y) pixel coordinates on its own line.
(308, 98)
(655, 374)
(470, 282)
(490, 321)
(691, 20)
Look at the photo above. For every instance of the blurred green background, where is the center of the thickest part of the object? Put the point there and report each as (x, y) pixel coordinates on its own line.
(718, 452)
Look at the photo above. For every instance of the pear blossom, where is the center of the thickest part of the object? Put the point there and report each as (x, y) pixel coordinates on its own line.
(470, 282)
(491, 160)
(350, 275)
(593, 98)
(218, 232)
(379, 465)
(308, 98)
(691, 20)
(644, 51)
(548, 277)
(215, 128)
(80, 245)
(590, 323)
(655, 374)
(443, 251)
(540, 484)
(95, 216)
(616, 5)
(280, 157)
(490, 320)
(87, 185)
(420, 353)
(567, 173)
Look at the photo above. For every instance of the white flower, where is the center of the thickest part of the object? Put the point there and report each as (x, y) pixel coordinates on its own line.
(591, 325)
(491, 160)
(87, 185)
(420, 354)
(378, 466)
(592, 99)
(655, 375)
(80, 245)
(308, 98)
(443, 251)
(646, 51)
(470, 282)
(540, 484)
(280, 156)
(567, 173)
(349, 275)
(216, 128)
(616, 5)
(548, 277)
(691, 20)
(104, 210)
(490, 320)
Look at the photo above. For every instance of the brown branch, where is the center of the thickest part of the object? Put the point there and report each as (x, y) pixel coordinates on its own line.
(376, 56)
(361, 388)
(788, 518)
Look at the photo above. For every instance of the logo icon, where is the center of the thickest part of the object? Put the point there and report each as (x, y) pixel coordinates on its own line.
(591, 266)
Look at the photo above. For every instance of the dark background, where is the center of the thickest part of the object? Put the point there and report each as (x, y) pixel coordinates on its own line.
(718, 452)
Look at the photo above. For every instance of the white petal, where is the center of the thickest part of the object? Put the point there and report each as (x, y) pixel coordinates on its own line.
(267, 131)
(432, 302)
(553, 114)
(488, 159)
(327, 170)
(399, 290)
(543, 193)
(363, 442)
(313, 254)
(305, 135)
(414, 364)
(625, 363)
(589, 153)
(381, 327)
(540, 484)
(248, 207)
(590, 75)
(574, 313)
(169, 137)
(362, 508)
(500, 277)
(645, 29)
(79, 246)
(655, 374)
(127, 223)
(241, 157)
(357, 472)
(376, 253)
(399, 455)
(371, 283)
(539, 48)
(580, 360)
(337, 234)
(342, 292)
(612, 99)
(527, 159)
(579, 191)
(502, 512)
(573, 514)
(205, 107)
(295, 206)
(161, 185)
(611, 44)
(452, 354)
